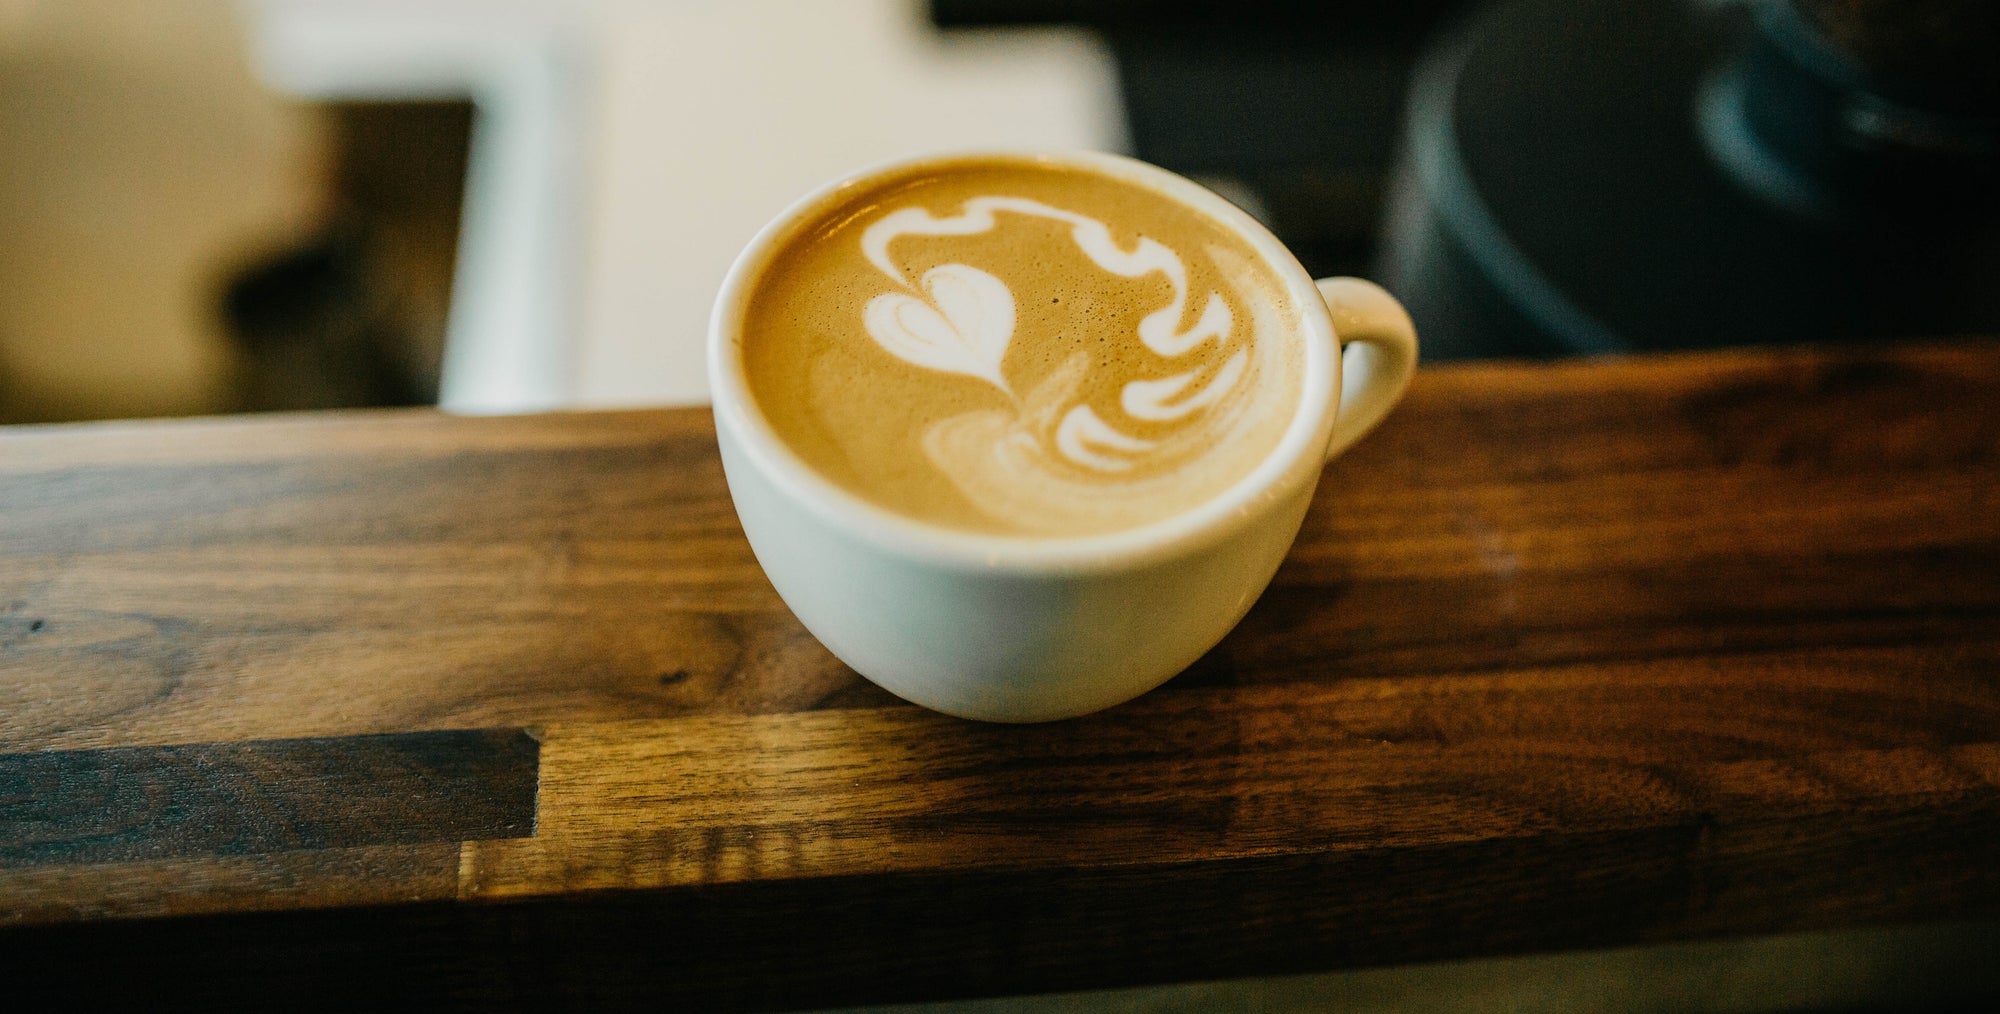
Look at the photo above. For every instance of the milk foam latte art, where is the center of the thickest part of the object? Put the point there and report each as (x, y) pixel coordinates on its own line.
(1011, 347)
(1020, 436)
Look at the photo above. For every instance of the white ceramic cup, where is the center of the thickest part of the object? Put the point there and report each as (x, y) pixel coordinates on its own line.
(1026, 629)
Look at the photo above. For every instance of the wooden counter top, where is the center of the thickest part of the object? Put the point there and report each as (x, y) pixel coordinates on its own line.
(501, 711)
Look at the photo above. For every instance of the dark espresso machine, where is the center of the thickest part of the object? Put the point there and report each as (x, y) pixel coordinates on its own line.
(1581, 177)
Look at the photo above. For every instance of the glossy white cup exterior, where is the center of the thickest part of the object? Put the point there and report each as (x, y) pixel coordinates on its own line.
(1021, 629)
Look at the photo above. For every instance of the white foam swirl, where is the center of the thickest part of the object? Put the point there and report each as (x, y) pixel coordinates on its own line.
(1159, 330)
(967, 320)
(1161, 400)
(963, 328)
(1002, 461)
(1082, 437)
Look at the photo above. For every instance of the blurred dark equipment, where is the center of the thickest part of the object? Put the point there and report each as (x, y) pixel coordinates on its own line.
(1595, 177)
(316, 331)
(356, 315)
(1296, 102)
(1588, 176)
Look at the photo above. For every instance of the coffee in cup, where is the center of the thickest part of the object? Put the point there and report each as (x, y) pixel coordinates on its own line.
(1020, 436)
(1013, 346)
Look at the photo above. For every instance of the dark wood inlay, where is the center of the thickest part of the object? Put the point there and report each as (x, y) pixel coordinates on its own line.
(152, 802)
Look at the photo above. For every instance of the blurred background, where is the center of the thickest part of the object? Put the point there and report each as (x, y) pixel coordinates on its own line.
(509, 205)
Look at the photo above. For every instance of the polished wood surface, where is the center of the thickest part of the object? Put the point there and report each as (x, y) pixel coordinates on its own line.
(1567, 655)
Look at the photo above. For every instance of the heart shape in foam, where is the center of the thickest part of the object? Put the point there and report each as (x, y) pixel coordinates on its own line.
(964, 327)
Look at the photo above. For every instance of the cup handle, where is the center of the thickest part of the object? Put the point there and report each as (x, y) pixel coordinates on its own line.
(1378, 355)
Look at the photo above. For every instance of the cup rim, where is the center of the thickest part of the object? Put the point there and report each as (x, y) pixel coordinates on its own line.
(1296, 459)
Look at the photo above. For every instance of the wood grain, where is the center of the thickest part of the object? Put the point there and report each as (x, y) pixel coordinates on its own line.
(1566, 655)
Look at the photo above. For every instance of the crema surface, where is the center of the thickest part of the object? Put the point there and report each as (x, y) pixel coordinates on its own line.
(1015, 347)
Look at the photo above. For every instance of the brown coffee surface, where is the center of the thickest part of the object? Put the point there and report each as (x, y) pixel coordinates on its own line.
(994, 345)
